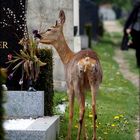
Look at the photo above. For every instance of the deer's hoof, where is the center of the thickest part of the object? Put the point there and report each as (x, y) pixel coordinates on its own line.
(94, 139)
(68, 138)
(85, 138)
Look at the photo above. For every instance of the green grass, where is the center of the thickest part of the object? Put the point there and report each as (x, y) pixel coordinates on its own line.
(117, 102)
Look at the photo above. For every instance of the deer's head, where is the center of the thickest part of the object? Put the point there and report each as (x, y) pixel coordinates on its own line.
(54, 33)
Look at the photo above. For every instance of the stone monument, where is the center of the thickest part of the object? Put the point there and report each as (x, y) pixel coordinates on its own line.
(43, 14)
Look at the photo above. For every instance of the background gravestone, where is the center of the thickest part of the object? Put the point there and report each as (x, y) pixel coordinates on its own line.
(89, 18)
(12, 29)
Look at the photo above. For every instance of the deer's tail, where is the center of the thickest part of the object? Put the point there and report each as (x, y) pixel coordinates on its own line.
(86, 64)
(90, 65)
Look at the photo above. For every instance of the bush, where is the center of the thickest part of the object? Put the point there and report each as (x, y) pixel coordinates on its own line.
(45, 80)
(2, 81)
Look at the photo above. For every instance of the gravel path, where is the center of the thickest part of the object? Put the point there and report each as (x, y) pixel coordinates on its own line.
(124, 68)
(112, 26)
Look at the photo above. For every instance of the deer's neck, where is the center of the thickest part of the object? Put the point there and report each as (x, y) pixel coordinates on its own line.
(63, 50)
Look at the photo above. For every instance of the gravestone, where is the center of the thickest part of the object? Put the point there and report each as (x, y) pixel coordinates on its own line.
(41, 15)
(107, 12)
(8, 46)
(12, 25)
(21, 104)
(89, 17)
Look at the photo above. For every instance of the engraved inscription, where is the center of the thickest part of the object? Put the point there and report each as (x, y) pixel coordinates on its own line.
(3, 45)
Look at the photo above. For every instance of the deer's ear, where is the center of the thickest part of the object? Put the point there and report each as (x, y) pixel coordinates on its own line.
(62, 17)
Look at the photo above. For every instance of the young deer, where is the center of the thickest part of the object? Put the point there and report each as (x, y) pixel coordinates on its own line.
(82, 71)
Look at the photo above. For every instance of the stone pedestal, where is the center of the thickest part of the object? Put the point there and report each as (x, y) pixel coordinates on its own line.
(46, 128)
(26, 120)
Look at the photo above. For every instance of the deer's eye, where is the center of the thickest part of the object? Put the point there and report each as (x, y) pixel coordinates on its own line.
(49, 30)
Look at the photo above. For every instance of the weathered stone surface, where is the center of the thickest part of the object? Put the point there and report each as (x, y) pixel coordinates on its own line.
(46, 128)
(23, 104)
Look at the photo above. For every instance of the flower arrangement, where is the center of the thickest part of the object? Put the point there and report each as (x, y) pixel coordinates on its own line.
(27, 58)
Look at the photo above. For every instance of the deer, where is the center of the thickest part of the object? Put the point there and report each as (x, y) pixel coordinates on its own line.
(82, 72)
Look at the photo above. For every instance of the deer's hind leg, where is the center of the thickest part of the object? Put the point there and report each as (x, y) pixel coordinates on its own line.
(81, 101)
(94, 92)
(85, 136)
(70, 93)
(81, 115)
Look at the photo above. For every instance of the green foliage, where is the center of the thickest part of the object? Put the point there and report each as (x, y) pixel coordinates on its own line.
(45, 80)
(2, 81)
(125, 4)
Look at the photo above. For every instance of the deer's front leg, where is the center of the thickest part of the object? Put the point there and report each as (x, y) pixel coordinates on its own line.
(71, 105)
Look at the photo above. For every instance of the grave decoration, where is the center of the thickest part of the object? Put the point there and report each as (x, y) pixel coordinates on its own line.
(28, 60)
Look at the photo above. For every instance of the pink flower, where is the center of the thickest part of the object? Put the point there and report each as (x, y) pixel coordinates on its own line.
(10, 56)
